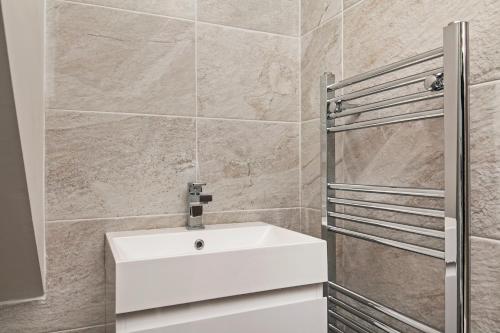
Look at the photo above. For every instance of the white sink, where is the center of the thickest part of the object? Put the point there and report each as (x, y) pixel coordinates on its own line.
(158, 268)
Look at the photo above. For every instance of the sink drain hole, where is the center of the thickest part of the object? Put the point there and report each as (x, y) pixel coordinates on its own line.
(199, 244)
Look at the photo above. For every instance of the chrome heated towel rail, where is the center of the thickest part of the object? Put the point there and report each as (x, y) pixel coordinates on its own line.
(450, 84)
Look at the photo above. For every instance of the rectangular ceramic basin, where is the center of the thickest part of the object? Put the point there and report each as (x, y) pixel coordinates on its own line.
(165, 267)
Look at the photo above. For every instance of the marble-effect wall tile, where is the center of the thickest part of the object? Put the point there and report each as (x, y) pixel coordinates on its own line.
(316, 12)
(106, 165)
(310, 222)
(378, 32)
(75, 275)
(176, 8)
(76, 295)
(247, 75)
(280, 17)
(288, 218)
(409, 154)
(107, 57)
(350, 3)
(93, 329)
(485, 283)
(102, 59)
(321, 52)
(311, 164)
(248, 164)
(374, 156)
(485, 160)
(411, 283)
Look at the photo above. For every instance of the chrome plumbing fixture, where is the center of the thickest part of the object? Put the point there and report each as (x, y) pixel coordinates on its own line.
(196, 200)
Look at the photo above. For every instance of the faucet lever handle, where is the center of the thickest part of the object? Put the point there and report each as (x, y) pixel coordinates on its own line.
(205, 198)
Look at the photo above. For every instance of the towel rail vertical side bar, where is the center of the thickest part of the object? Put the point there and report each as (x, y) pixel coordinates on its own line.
(457, 180)
(327, 145)
(327, 173)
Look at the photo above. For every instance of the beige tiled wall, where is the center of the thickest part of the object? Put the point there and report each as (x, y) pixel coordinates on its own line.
(281, 17)
(143, 97)
(352, 36)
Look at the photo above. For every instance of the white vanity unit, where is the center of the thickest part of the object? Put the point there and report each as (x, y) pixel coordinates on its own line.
(228, 278)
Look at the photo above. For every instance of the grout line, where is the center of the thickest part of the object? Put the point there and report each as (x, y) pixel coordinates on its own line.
(341, 241)
(274, 34)
(114, 218)
(300, 113)
(127, 10)
(171, 116)
(310, 120)
(352, 6)
(197, 164)
(165, 215)
(195, 20)
(342, 41)
(310, 208)
(251, 120)
(481, 238)
(135, 114)
(250, 210)
(80, 328)
(322, 24)
(485, 83)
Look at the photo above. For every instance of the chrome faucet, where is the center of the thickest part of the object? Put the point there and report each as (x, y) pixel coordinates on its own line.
(196, 200)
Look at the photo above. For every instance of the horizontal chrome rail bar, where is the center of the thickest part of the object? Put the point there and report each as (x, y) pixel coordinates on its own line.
(390, 225)
(389, 242)
(388, 207)
(386, 86)
(363, 315)
(349, 323)
(433, 54)
(335, 329)
(388, 120)
(400, 100)
(417, 192)
(384, 309)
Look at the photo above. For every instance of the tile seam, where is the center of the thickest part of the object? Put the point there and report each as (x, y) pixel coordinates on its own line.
(252, 210)
(69, 330)
(353, 6)
(197, 164)
(274, 34)
(132, 114)
(127, 10)
(322, 24)
(482, 238)
(167, 215)
(308, 120)
(300, 111)
(342, 22)
(485, 83)
(310, 208)
(178, 18)
(115, 218)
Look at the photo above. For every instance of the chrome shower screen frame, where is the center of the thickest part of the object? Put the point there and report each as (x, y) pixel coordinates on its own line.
(456, 193)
